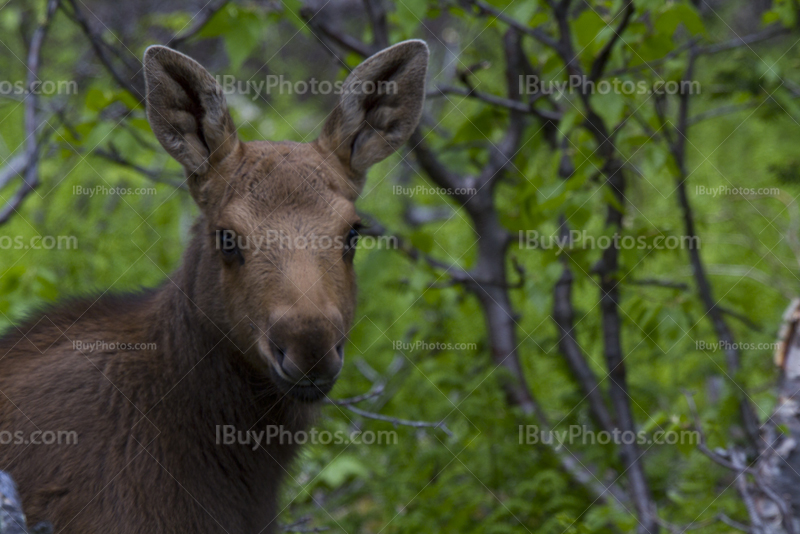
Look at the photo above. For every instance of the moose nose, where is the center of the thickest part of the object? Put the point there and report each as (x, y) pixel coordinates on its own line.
(307, 351)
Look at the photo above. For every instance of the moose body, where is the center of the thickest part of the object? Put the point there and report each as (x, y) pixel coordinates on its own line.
(242, 336)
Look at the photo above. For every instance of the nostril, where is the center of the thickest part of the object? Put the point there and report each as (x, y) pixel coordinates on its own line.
(278, 353)
(340, 350)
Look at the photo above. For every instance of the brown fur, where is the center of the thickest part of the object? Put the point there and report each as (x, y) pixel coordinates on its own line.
(244, 344)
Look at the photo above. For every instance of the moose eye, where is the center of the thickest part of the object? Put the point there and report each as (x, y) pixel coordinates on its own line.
(228, 247)
(351, 242)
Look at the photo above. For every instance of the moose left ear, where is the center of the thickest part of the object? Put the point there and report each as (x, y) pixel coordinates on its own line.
(380, 106)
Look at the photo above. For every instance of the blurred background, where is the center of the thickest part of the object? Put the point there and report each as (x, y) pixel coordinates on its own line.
(508, 329)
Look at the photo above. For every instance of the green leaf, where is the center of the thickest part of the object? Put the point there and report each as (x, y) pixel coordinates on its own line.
(422, 241)
(342, 469)
(677, 14)
(586, 27)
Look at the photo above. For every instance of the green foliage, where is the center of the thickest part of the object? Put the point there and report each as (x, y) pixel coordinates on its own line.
(481, 479)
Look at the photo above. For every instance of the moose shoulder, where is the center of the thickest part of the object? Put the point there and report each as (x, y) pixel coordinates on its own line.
(248, 332)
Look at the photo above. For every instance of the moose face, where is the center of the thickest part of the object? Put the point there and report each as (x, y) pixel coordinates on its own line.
(279, 217)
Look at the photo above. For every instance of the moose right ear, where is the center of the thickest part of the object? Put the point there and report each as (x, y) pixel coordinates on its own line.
(380, 107)
(188, 113)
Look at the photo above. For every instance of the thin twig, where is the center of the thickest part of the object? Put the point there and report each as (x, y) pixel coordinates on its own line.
(600, 62)
(668, 284)
(31, 170)
(358, 398)
(485, 9)
(115, 157)
(514, 105)
(197, 23)
(399, 422)
(704, 289)
(130, 83)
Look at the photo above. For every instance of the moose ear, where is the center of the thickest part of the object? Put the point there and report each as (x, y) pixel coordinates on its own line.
(187, 112)
(380, 106)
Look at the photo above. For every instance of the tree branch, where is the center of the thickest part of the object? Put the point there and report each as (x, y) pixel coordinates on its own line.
(485, 9)
(30, 171)
(678, 149)
(513, 105)
(600, 62)
(198, 22)
(115, 157)
(133, 84)
(399, 422)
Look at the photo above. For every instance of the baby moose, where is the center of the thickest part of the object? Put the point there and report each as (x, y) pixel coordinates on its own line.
(248, 332)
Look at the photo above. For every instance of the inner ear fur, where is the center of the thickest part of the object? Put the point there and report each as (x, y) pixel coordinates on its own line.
(380, 106)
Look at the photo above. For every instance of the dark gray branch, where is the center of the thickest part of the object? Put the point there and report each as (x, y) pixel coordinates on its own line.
(600, 62)
(513, 105)
(114, 156)
(134, 84)
(485, 9)
(724, 333)
(197, 23)
(773, 31)
(563, 315)
(31, 170)
(399, 422)
(607, 269)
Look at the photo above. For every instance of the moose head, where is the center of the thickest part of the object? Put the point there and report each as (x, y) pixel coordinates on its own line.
(278, 218)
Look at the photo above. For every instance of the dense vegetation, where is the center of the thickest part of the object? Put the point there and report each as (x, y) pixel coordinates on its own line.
(421, 342)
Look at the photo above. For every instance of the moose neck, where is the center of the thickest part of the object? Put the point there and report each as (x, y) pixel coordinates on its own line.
(200, 353)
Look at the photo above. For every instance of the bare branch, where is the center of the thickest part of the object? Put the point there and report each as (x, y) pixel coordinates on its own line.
(31, 169)
(399, 422)
(299, 526)
(722, 111)
(651, 65)
(513, 105)
(668, 284)
(375, 228)
(359, 398)
(115, 157)
(678, 149)
(485, 9)
(738, 42)
(773, 31)
(607, 269)
(500, 155)
(742, 318)
(437, 172)
(702, 446)
(343, 40)
(602, 58)
(733, 524)
(133, 84)
(377, 18)
(15, 166)
(197, 23)
(563, 315)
